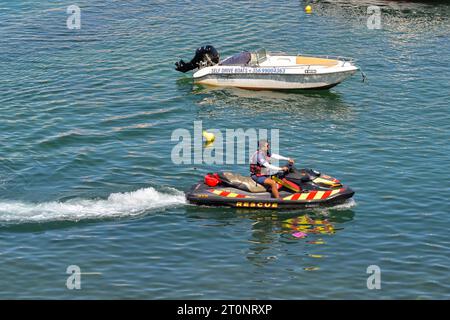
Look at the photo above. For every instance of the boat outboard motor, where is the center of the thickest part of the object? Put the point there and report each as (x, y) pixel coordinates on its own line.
(204, 57)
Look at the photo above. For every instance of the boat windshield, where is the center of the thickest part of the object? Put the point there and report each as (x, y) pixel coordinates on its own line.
(261, 55)
(242, 58)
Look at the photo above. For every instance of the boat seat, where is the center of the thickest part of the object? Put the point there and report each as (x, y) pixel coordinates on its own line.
(316, 61)
(239, 59)
(240, 182)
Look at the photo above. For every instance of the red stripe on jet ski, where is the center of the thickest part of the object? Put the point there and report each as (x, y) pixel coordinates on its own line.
(241, 196)
(326, 194)
(296, 196)
(311, 195)
(224, 193)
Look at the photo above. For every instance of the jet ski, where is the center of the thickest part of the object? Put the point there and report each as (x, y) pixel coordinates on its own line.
(304, 188)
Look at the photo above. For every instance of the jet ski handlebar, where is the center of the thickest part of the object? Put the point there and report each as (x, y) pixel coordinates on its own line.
(291, 169)
(304, 175)
(290, 166)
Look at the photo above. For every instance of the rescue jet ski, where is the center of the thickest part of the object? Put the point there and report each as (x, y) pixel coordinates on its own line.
(304, 188)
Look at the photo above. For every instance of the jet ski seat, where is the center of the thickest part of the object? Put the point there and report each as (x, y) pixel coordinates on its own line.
(240, 182)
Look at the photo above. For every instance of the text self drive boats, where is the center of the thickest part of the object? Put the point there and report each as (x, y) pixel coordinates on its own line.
(305, 188)
(267, 71)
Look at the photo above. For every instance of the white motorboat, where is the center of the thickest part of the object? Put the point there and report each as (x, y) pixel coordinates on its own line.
(262, 70)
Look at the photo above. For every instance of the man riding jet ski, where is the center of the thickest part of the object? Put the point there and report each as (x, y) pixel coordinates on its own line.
(291, 188)
(261, 169)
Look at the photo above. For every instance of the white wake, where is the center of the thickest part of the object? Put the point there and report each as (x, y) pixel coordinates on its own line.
(348, 204)
(116, 205)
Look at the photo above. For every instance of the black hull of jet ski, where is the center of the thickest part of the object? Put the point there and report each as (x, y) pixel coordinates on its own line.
(202, 194)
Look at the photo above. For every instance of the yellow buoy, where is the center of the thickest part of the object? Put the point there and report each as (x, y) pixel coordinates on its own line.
(209, 137)
(308, 9)
(208, 144)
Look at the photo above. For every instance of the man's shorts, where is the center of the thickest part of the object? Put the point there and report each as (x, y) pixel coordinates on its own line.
(260, 179)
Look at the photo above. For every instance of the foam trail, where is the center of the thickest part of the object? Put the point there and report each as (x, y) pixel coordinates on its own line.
(116, 205)
(350, 203)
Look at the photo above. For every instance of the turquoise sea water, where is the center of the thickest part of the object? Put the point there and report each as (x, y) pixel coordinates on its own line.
(86, 118)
